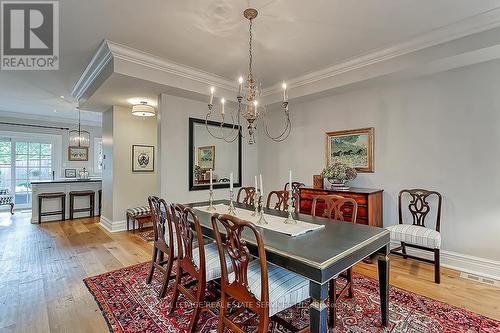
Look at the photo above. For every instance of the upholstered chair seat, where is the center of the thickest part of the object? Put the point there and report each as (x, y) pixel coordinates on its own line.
(285, 288)
(212, 262)
(416, 235)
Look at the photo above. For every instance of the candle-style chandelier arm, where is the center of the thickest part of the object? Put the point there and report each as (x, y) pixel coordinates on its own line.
(288, 126)
(235, 129)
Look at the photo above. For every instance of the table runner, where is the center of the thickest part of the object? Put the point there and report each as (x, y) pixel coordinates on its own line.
(275, 223)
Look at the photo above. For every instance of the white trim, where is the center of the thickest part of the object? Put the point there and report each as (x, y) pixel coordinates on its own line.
(112, 226)
(468, 26)
(59, 120)
(461, 262)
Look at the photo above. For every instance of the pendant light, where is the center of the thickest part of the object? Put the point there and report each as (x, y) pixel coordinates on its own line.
(79, 137)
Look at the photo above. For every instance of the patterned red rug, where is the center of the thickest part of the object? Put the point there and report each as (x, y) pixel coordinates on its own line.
(129, 305)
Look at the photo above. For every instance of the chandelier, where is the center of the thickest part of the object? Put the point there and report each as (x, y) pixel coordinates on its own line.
(249, 92)
(79, 137)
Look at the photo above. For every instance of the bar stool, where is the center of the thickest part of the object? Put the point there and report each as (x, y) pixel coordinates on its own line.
(72, 209)
(52, 195)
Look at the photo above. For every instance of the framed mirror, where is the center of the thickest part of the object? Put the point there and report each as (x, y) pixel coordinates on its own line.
(207, 152)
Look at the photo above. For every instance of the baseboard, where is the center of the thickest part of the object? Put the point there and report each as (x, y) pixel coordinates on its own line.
(461, 262)
(113, 226)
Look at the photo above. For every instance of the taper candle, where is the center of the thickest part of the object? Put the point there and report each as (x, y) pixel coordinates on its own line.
(212, 89)
(231, 181)
(240, 80)
(256, 184)
(284, 92)
(211, 177)
(290, 179)
(222, 102)
(261, 186)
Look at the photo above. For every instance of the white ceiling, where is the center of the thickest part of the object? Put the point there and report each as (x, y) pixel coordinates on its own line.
(292, 38)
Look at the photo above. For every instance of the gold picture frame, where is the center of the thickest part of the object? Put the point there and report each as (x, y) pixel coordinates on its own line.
(78, 153)
(353, 147)
(206, 157)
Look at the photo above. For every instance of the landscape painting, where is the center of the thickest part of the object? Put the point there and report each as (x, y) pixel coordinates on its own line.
(206, 157)
(351, 147)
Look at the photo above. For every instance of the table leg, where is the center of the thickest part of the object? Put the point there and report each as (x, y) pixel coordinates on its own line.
(383, 278)
(318, 310)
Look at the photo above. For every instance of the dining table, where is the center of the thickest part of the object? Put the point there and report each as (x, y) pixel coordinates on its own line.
(318, 255)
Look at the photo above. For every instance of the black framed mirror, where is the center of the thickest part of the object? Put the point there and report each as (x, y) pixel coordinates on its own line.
(207, 152)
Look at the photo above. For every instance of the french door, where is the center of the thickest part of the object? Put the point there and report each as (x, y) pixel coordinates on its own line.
(23, 160)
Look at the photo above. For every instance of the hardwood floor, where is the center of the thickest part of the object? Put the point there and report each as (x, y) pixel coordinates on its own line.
(42, 267)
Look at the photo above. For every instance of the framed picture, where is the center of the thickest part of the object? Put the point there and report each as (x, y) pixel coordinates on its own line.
(143, 158)
(78, 153)
(352, 147)
(206, 157)
(69, 173)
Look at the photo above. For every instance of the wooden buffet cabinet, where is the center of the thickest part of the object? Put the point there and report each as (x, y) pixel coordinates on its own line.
(369, 203)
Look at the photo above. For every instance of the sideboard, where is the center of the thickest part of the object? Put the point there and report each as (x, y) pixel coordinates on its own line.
(369, 203)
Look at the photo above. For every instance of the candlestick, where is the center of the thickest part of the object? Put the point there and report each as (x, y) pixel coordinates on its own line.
(290, 219)
(231, 210)
(256, 196)
(261, 186)
(262, 219)
(212, 89)
(211, 206)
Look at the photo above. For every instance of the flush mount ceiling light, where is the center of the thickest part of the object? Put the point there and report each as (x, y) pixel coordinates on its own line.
(143, 110)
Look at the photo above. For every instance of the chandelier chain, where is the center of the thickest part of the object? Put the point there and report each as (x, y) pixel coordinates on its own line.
(250, 48)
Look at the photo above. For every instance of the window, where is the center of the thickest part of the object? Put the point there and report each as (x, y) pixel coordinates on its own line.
(5, 164)
(98, 155)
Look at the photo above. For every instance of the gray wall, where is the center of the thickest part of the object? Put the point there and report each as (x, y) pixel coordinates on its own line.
(438, 132)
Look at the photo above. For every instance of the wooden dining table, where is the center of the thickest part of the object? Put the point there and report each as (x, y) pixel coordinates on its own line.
(318, 255)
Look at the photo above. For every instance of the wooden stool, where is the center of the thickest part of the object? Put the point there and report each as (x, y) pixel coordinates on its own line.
(52, 195)
(99, 193)
(72, 209)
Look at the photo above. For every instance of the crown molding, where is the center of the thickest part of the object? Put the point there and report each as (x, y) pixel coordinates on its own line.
(468, 26)
(129, 54)
(95, 67)
(57, 120)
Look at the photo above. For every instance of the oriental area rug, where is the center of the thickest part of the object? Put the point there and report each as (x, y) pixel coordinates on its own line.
(130, 305)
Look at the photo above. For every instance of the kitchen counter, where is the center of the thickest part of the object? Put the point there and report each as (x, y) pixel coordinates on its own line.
(65, 185)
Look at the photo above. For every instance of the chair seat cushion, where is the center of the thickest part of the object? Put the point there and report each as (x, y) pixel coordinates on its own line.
(212, 261)
(416, 235)
(138, 211)
(285, 288)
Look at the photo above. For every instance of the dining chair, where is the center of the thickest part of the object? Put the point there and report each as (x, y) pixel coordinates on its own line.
(281, 200)
(259, 286)
(344, 209)
(164, 244)
(248, 195)
(418, 235)
(200, 263)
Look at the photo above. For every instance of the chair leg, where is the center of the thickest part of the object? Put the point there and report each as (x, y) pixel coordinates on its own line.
(437, 267)
(222, 313)
(332, 299)
(166, 278)
(350, 292)
(403, 250)
(11, 208)
(152, 269)
(175, 295)
(200, 296)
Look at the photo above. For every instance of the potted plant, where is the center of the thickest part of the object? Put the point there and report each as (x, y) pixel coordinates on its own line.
(338, 174)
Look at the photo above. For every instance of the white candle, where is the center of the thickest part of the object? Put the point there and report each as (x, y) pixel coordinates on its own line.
(212, 89)
(290, 180)
(284, 92)
(255, 103)
(240, 80)
(231, 181)
(222, 102)
(256, 183)
(261, 186)
(211, 177)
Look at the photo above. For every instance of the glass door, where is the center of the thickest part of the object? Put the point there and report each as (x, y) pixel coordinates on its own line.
(33, 161)
(5, 164)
